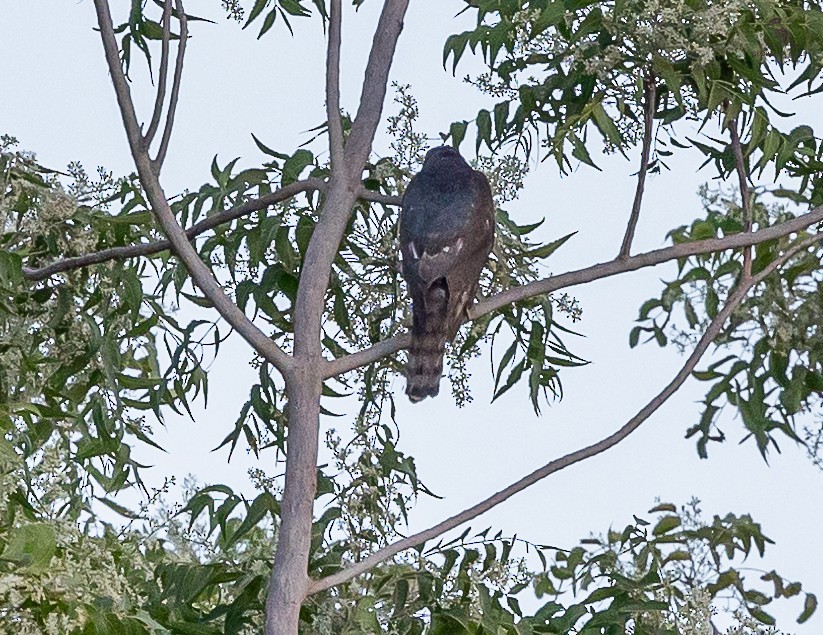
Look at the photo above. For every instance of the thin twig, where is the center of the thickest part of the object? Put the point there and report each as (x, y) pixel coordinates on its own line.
(649, 104)
(146, 249)
(374, 353)
(333, 85)
(201, 275)
(163, 76)
(581, 276)
(745, 194)
(157, 164)
(562, 463)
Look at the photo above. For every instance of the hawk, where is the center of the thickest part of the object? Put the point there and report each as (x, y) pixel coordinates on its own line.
(446, 235)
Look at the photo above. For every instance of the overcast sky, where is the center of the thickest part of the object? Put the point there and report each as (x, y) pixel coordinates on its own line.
(57, 99)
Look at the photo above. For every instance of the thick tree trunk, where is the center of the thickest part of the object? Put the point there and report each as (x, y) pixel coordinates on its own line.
(289, 580)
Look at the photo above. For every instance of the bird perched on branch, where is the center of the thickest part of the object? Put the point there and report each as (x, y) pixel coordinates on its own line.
(446, 235)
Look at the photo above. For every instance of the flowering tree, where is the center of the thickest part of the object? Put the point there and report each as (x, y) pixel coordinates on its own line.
(298, 257)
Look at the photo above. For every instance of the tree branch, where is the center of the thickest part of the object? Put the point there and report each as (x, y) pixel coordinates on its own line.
(649, 104)
(157, 164)
(163, 76)
(375, 83)
(333, 86)
(146, 249)
(614, 267)
(200, 273)
(745, 194)
(377, 197)
(562, 463)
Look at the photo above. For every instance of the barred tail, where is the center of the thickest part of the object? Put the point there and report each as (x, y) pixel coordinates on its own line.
(428, 345)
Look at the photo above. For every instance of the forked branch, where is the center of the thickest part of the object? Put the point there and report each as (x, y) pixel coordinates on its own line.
(163, 76)
(148, 174)
(157, 164)
(289, 579)
(345, 183)
(713, 330)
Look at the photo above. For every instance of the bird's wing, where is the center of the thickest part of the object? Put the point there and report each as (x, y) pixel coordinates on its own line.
(440, 229)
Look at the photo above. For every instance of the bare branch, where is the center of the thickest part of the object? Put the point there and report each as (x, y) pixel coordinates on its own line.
(157, 164)
(562, 463)
(745, 194)
(374, 353)
(121, 86)
(333, 86)
(582, 276)
(375, 83)
(650, 101)
(163, 76)
(200, 273)
(146, 249)
(377, 197)
(742, 176)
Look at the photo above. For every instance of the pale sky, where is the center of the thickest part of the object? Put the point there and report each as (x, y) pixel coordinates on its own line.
(57, 99)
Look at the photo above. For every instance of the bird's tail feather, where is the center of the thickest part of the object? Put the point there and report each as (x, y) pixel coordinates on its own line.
(428, 345)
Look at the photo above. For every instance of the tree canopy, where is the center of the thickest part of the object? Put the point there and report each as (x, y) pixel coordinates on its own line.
(117, 298)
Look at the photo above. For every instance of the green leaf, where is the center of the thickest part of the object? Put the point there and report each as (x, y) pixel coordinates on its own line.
(547, 250)
(581, 153)
(263, 504)
(266, 149)
(606, 126)
(501, 115)
(457, 132)
(11, 268)
(809, 607)
(456, 46)
(513, 378)
(761, 616)
(256, 10)
(120, 509)
(31, 546)
(484, 129)
(666, 524)
(295, 165)
(268, 22)
(663, 507)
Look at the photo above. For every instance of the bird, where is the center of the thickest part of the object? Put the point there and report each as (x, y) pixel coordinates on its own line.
(446, 233)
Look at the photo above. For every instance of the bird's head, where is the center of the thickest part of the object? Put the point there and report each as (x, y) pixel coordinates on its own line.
(442, 155)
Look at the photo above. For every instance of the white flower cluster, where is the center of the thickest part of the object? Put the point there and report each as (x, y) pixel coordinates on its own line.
(505, 174)
(409, 146)
(83, 570)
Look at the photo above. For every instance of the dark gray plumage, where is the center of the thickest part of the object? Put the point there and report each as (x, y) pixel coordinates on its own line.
(446, 235)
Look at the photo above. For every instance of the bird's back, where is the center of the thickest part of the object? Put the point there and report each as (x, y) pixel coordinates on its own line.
(446, 233)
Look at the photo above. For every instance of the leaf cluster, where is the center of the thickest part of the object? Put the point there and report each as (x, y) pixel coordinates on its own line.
(567, 68)
(657, 576)
(79, 351)
(772, 375)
